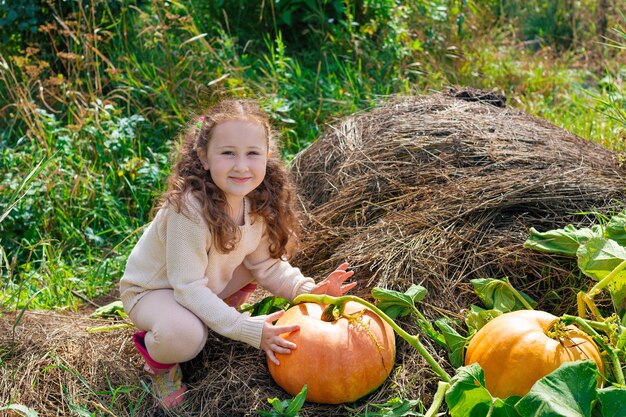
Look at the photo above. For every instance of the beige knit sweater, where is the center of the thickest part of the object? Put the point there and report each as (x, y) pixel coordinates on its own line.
(176, 251)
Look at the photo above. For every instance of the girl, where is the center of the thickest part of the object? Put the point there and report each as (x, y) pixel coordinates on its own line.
(223, 225)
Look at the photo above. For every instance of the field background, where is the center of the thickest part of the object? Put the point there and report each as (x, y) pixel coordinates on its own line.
(93, 95)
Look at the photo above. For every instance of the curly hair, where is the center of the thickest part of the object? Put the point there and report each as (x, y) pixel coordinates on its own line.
(273, 199)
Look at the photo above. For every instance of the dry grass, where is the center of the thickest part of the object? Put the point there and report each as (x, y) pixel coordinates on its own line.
(439, 190)
(434, 190)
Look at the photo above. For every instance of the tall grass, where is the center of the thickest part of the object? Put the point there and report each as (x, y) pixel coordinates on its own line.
(101, 89)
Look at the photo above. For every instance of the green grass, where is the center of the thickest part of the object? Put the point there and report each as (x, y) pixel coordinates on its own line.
(104, 111)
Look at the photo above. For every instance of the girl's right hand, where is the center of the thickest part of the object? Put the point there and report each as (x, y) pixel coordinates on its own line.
(271, 342)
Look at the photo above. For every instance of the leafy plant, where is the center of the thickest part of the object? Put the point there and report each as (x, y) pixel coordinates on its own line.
(601, 255)
(286, 408)
(267, 305)
(395, 407)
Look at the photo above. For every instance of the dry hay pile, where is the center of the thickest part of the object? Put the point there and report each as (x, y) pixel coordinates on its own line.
(433, 190)
(441, 189)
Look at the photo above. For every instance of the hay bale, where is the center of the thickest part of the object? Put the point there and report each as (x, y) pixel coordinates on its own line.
(441, 189)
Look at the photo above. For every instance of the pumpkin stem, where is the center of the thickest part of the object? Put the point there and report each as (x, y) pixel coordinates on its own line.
(440, 395)
(330, 313)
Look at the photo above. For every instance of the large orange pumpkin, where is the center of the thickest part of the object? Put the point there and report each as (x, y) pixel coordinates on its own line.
(515, 350)
(339, 361)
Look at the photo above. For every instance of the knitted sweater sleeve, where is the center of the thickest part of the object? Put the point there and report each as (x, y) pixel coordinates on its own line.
(276, 275)
(187, 240)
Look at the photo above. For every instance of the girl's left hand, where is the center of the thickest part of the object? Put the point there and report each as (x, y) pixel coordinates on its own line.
(333, 283)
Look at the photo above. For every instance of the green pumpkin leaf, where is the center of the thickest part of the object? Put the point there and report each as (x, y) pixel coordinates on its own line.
(454, 341)
(621, 339)
(615, 229)
(565, 241)
(569, 391)
(598, 258)
(395, 407)
(112, 309)
(396, 304)
(499, 295)
(476, 317)
(468, 396)
(267, 305)
(613, 401)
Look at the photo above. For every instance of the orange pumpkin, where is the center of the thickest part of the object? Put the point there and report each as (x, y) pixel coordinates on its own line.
(340, 361)
(515, 351)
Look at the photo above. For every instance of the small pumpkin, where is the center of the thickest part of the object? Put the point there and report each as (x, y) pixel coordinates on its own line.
(515, 350)
(340, 360)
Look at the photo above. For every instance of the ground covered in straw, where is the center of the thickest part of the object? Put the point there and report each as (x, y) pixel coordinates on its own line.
(432, 190)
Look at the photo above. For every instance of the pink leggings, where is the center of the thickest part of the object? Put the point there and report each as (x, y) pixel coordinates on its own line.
(175, 334)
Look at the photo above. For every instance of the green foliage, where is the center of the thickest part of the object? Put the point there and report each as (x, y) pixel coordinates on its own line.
(397, 304)
(600, 251)
(468, 396)
(85, 201)
(394, 407)
(267, 305)
(103, 87)
(286, 408)
(613, 400)
(569, 391)
(500, 295)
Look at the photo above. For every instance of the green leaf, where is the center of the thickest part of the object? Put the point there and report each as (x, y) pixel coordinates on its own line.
(468, 396)
(598, 258)
(499, 295)
(569, 391)
(285, 408)
(477, 317)
(397, 304)
(454, 341)
(564, 241)
(27, 412)
(613, 401)
(615, 229)
(112, 309)
(395, 407)
(267, 305)
(298, 401)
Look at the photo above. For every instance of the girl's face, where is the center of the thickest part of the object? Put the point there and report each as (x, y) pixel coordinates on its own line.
(236, 156)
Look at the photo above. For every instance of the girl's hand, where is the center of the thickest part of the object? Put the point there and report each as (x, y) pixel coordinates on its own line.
(333, 283)
(271, 342)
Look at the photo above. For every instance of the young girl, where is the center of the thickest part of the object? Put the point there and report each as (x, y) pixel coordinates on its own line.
(223, 225)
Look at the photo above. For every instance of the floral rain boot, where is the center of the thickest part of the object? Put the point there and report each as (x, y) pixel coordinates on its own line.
(166, 377)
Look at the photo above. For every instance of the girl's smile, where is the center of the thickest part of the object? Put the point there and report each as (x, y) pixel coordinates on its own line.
(240, 180)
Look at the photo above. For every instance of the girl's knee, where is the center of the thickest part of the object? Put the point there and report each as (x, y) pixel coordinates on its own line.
(179, 342)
